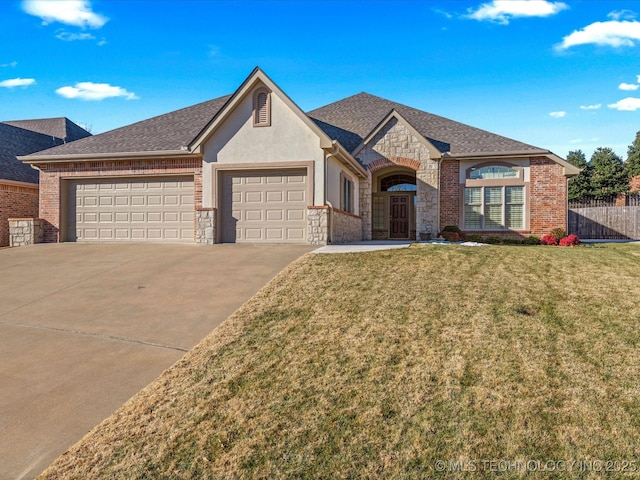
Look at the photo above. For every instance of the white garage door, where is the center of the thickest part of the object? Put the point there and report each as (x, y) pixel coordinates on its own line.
(264, 207)
(131, 210)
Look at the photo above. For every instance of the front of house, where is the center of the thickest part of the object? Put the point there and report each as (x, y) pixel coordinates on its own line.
(252, 167)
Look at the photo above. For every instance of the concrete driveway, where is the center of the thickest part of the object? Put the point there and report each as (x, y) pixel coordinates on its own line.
(84, 327)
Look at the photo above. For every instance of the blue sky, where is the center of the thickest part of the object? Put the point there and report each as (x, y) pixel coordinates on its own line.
(559, 75)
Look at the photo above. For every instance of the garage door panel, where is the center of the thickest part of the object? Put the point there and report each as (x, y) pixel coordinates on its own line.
(264, 206)
(131, 209)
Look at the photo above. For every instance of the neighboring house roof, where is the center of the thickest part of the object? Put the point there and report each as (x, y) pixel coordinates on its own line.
(24, 137)
(60, 127)
(169, 132)
(352, 119)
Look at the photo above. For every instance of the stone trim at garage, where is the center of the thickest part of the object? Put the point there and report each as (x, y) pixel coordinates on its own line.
(206, 219)
(317, 225)
(25, 231)
(52, 175)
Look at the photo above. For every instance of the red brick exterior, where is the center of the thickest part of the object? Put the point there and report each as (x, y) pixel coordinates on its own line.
(16, 201)
(393, 162)
(52, 174)
(548, 196)
(450, 192)
(634, 184)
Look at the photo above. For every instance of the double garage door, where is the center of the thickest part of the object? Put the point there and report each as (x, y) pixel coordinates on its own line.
(264, 206)
(255, 207)
(131, 209)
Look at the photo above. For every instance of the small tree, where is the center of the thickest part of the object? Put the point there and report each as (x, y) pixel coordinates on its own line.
(633, 157)
(609, 177)
(580, 185)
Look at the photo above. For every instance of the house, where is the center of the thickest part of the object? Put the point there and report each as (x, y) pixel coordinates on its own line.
(19, 181)
(253, 167)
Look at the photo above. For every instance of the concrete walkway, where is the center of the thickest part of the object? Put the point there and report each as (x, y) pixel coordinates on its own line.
(84, 327)
(366, 246)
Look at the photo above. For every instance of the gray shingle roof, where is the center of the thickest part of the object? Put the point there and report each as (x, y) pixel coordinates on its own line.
(350, 120)
(170, 131)
(60, 127)
(15, 141)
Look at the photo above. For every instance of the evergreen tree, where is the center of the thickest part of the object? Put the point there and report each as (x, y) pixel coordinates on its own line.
(633, 157)
(580, 185)
(609, 175)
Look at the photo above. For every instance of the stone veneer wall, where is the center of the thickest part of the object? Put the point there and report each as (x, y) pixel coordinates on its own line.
(317, 225)
(345, 227)
(51, 175)
(397, 145)
(16, 201)
(25, 231)
(365, 207)
(206, 226)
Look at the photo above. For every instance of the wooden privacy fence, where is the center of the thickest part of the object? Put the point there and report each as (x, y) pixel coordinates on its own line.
(605, 222)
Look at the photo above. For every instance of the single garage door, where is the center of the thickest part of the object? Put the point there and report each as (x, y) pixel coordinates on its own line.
(264, 206)
(131, 209)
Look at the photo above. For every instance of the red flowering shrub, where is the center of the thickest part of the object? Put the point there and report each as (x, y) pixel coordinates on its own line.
(570, 241)
(549, 240)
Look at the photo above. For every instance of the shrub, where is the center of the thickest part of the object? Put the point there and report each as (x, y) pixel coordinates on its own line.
(452, 229)
(531, 240)
(512, 241)
(493, 240)
(549, 240)
(474, 237)
(570, 241)
(559, 233)
(450, 236)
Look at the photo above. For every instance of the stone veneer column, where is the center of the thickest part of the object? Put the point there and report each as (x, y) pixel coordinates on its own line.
(25, 231)
(317, 225)
(427, 203)
(365, 206)
(206, 226)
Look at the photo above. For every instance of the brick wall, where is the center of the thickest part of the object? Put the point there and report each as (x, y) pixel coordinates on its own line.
(450, 192)
(16, 201)
(548, 196)
(51, 175)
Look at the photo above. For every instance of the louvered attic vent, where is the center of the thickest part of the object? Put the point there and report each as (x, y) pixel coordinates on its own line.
(261, 108)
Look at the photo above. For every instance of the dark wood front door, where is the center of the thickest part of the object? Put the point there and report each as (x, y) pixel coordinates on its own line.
(399, 216)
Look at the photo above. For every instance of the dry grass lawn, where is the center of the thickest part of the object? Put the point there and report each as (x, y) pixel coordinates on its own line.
(377, 365)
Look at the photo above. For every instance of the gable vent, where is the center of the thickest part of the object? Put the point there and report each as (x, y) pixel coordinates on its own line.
(261, 108)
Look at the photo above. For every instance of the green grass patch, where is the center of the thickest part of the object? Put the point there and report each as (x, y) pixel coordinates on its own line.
(377, 365)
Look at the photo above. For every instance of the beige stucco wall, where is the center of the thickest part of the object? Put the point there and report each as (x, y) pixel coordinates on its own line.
(334, 169)
(237, 141)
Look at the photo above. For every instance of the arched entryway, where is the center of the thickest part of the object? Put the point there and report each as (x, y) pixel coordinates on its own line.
(393, 203)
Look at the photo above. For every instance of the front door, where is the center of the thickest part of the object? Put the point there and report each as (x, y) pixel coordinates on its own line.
(399, 216)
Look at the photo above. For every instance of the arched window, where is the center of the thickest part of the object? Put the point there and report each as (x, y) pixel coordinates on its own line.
(398, 183)
(262, 108)
(491, 172)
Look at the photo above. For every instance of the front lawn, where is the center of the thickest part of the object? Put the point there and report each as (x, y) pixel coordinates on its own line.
(379, 365)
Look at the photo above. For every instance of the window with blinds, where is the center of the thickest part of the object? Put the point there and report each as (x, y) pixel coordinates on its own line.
(494, 208)
(261, 108)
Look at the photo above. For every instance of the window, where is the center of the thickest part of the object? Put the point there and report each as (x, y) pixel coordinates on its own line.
(261, 108)
(378, 213)
(491, 172)
(346, 194)
(494, 208)
(398, 183)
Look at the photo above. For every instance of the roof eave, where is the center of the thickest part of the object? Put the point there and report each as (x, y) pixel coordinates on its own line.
(343, 155)
(79, 157)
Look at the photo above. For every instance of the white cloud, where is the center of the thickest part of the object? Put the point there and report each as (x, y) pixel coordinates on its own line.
(557, 114)
(10, 64)
(628, 86)
(70, 37)
(94, 91)
(501, 11)
(622, 15)
(17, 82)
(638, 78)
(590, 107)
(576, 140)
(613, 33)
(628, 104)
(70, 12)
